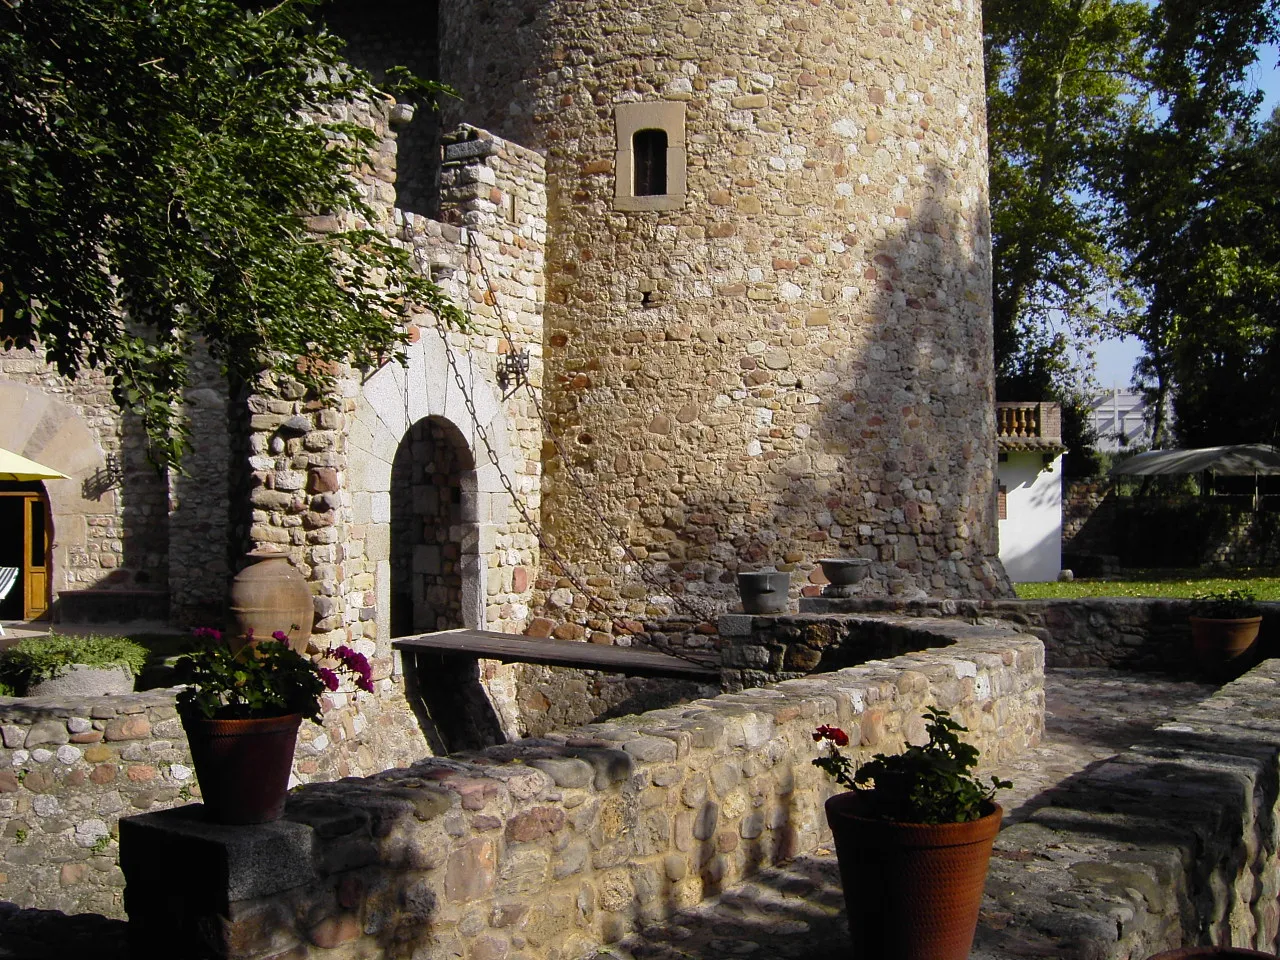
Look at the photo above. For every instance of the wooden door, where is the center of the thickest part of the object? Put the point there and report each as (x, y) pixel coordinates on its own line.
(35, 572)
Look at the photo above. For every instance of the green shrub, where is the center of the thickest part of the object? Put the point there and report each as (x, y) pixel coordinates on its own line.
(35, 659)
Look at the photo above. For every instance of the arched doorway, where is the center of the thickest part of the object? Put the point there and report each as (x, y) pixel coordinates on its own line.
(26, 538)
(434, 546)
(435, 578)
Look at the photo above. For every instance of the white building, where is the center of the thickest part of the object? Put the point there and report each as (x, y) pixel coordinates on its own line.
(1029, 436)
(1119, 419)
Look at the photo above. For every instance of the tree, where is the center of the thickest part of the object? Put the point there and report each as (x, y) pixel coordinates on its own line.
(1125, 172)
(158, 160)
(1194, 210)
(1060, 75)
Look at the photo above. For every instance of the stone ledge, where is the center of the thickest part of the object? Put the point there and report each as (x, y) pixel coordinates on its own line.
(1169, 843)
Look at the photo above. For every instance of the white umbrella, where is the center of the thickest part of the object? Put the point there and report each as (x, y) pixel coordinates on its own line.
(1239, 460)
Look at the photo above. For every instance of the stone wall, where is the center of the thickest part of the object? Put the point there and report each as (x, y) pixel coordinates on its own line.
(1126, 633)
(790, 359)
(70, 769)
(1101, 527)
(111, 518)
(762, 650)
(550, 847)
(1169, 843)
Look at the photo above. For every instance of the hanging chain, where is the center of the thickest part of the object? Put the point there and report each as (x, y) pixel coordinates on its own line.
(593, 503)
(491, 452)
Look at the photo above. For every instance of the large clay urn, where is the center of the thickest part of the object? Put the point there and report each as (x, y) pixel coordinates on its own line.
(269, 595)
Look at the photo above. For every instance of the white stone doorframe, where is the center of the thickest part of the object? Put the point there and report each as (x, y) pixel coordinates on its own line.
(389, 402)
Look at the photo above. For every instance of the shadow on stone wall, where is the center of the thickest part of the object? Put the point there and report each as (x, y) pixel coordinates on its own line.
(904, 470)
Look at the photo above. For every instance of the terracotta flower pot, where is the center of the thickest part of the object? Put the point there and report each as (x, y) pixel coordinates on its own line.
(1226, 953)
(1219, 642)
(269, 595)
(243, 765)
(912, 889)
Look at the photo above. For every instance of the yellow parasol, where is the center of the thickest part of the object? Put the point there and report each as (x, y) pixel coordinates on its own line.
(14, 467)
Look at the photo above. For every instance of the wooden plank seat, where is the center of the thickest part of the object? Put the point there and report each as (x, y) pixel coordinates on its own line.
(511, 648)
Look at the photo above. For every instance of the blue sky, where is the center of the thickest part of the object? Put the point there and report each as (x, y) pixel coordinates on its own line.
(1115, 358)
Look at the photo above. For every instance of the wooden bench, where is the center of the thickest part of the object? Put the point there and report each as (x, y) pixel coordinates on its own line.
(510, 648)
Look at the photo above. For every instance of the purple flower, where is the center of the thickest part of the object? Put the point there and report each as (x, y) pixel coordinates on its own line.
(281, 636)
(329, 677)
(207, 633)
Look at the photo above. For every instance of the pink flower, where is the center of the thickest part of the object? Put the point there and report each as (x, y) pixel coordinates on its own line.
(329, 677)
(207, 633)
(365, 684)
(281, 636)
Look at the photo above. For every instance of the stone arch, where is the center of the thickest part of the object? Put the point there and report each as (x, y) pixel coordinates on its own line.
(435, 558)
(389, 403)
(43, 428)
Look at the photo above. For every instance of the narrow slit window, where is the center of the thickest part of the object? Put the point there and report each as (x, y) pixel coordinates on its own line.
(649, 153)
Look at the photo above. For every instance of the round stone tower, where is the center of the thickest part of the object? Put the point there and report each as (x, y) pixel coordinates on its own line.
(768, 324)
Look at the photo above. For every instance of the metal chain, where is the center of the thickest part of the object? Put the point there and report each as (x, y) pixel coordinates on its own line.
(592, 501)
(534, 526)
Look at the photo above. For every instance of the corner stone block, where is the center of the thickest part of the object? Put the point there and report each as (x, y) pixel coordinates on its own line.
(220, 865)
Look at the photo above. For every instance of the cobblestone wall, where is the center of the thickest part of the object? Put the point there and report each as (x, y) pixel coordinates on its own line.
(1131, 633)
(792, 358)
(70, 769)
(1169, 843)
(550, 847)
(111, 517)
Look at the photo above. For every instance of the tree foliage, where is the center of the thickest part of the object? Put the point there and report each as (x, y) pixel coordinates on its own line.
(1131, 195)
(159, 160)
(1059, 78)
(1195, 212)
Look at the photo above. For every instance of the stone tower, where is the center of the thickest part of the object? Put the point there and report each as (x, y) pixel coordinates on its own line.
(767, 332)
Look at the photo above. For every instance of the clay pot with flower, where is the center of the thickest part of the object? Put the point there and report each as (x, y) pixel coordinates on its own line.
(241, 709)
(913, 837)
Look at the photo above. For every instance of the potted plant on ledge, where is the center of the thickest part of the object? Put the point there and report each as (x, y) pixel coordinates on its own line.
(913, 838)
(241, 711)
(1224, 627)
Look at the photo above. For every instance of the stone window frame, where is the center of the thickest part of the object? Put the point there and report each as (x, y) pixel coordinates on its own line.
(630, 118)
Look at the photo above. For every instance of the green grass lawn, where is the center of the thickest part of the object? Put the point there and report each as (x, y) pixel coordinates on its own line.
(1157, 583)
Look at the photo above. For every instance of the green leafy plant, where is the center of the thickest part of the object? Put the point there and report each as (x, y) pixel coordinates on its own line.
(923, 784)
(101, 843)
(160, 161)
(262, 679)
(20, 835)
(35, 659)
(1225, 605)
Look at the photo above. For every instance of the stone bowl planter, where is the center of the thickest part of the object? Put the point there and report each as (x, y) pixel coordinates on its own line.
(79, 680)
(845, 571)
(764, 591)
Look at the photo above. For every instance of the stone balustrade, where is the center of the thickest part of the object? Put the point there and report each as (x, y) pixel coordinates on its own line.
(551, 847)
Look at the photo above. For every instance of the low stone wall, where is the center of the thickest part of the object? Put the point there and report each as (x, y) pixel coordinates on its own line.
(756, 650)
(1172, 842)
(548, 848)
(71, 768)
(1126, 633)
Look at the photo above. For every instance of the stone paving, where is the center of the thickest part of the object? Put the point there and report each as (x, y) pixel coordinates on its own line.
(794, 913)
